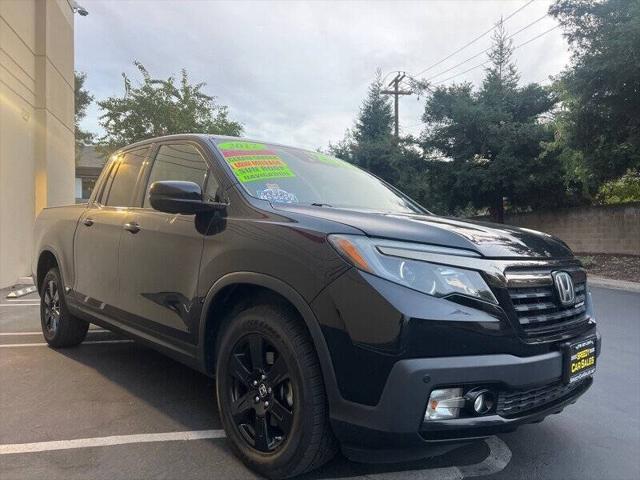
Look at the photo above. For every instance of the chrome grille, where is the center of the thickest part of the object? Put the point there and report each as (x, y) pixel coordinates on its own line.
(537, 307)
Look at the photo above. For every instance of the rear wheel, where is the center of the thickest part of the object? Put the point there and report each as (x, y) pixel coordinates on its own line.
(271, 394)
(60, 328)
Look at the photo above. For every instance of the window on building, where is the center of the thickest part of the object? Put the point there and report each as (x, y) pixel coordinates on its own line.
(84, 188)
(78, 189)
(181, 162)
(88, 184)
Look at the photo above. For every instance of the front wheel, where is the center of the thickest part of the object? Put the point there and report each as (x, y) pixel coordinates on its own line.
(271, 393)
(60, 328)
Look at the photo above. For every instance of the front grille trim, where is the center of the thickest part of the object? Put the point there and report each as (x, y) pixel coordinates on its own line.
(534, 303)
(550, 317)
(545, 305)
(544, 330)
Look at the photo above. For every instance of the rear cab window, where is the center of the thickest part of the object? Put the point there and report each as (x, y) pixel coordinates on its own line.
(120, 184)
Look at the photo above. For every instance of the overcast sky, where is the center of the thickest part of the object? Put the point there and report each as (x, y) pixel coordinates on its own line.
(297, 72)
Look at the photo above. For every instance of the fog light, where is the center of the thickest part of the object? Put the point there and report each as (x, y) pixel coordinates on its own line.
(480, 401)
(444, 403)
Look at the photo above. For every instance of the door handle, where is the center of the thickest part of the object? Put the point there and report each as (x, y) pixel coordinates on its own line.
(88, 222)
(132, 227)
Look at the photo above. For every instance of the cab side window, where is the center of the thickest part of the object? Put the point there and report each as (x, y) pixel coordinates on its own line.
(122, 179)
(182, 162)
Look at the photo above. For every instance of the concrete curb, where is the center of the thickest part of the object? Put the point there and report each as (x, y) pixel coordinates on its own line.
(596, 281)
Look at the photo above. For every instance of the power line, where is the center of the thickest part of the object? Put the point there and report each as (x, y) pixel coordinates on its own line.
(487, 49)
(487, 61)
(462, 73)
(536, 37)
(406, 81)
(468, 44)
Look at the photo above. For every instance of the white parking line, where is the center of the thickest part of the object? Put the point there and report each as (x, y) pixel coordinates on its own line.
(95, 342)
(32, 300)
(17, 304)
(109, 441)
(11, 334)
(498, 458)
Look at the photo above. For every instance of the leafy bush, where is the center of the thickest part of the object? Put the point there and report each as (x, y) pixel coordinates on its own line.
(621, 190)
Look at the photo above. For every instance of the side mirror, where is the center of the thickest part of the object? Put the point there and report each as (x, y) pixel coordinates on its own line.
(172, 196)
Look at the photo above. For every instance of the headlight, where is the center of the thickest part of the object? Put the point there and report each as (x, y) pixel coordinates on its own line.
(430, 278)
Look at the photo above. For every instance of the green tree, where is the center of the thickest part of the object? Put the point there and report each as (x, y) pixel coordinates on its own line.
(494, 138)
(600, 91)
(370, 144)
(82, 99)
(343, 148)
(577, 177)
(375, 121)
(161, 107)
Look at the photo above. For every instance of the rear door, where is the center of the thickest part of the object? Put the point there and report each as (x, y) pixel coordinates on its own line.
(159, 262)
(100, 229)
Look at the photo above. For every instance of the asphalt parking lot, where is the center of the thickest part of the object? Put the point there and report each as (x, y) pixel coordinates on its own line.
(112, 409)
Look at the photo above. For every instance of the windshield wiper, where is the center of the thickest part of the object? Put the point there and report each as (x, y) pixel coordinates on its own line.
(316, 204)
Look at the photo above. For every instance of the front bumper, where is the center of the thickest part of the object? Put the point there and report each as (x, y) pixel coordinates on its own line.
(394, 430)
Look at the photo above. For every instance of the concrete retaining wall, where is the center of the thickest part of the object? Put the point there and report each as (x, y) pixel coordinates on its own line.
(607, 229)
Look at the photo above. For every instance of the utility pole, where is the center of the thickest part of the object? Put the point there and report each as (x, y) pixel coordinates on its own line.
(396, 92)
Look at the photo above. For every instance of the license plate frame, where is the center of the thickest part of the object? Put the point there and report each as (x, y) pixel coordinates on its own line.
(579, 360)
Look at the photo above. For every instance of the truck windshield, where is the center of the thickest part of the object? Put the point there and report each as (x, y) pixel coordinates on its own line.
(290, 175)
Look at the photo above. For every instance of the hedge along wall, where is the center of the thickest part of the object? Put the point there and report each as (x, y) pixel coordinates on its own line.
(606, 229)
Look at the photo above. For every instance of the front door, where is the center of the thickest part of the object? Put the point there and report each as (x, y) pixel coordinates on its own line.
(99, 232)
(159, 259)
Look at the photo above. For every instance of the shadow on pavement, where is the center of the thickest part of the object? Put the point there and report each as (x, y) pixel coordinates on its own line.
(189, 398)
(177, 391)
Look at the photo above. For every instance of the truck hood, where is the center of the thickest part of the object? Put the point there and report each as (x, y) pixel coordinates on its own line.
(488, 239)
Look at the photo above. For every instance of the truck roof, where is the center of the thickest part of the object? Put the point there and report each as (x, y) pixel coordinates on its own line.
(201, 136)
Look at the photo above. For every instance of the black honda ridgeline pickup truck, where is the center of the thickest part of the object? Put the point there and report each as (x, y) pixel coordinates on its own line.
(333, 311)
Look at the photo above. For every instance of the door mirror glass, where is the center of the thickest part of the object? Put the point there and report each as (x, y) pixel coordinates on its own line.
(173, 196)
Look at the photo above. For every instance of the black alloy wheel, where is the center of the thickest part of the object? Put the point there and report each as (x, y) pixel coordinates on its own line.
(51, 303)
(59, 327)
(271, 393)
(261, 392)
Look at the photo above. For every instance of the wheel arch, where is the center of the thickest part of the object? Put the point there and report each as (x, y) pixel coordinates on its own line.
(46, 259)
(216, 303)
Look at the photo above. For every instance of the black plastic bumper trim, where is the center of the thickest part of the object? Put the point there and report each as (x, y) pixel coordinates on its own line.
(397, 419)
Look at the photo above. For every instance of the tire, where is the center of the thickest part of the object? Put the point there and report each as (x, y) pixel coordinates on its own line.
(59, 327)
(268, 379)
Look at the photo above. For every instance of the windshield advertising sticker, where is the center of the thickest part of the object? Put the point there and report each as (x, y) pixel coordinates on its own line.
(254, 161)
(273, 193)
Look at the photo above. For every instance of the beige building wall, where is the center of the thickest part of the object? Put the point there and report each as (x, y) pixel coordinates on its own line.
(36, 122)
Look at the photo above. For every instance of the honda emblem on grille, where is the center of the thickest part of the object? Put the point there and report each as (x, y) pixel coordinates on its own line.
(564, 287)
